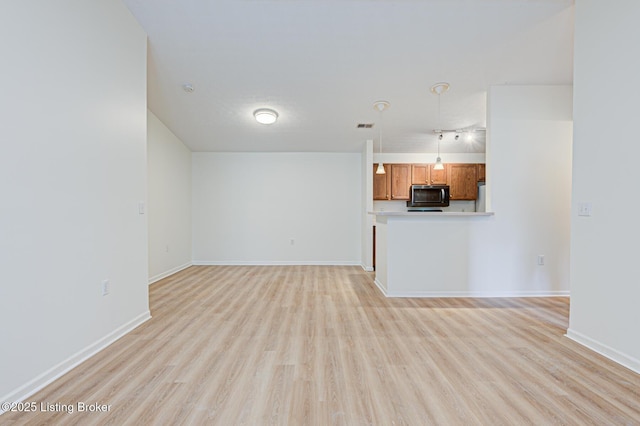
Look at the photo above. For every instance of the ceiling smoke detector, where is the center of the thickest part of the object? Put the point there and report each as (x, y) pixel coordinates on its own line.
(187, 87)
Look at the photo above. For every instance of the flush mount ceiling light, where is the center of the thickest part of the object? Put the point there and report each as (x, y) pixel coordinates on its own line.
(380, 106)
(265, 116)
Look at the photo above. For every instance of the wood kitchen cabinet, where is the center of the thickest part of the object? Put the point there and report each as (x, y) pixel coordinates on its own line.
(420, 174)
(394, 184)
(424, 174)
(481, 172)
(463, 181)
(439, 177)
(382, 184)
(400, 181)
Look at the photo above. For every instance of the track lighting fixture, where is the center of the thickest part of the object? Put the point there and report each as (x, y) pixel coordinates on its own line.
(469, 133)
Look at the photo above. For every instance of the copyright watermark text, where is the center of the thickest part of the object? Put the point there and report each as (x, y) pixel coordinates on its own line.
(55, 407)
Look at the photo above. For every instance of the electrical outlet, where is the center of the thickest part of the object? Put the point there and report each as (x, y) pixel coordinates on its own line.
(106, 286)
(541, 259)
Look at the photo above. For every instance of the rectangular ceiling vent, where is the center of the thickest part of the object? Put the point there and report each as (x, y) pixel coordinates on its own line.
(364, 125)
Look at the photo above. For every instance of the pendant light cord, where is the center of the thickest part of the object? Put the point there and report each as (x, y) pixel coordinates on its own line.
(440, 122)
(380, 130)
(380, 106)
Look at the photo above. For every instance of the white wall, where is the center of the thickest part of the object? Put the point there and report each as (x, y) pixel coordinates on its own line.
(169, 205)
(529, 189)
(248, 206)
(72, 172)
(605, 295)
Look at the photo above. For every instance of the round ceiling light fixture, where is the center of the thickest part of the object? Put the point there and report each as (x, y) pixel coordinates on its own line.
(265, 116)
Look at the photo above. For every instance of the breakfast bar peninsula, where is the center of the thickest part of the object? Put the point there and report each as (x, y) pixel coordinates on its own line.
(427, 254)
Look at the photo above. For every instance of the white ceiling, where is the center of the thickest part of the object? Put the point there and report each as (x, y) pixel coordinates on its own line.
(322, 63)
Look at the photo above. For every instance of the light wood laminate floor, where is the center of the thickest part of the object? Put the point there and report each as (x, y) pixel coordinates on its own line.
(319, 345)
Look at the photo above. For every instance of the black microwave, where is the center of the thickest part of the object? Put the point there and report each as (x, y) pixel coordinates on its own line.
(429, 196)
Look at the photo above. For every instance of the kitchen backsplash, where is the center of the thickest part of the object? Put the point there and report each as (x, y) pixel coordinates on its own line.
(401, 206)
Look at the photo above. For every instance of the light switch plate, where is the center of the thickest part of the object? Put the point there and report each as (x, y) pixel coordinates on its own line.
(585, 209)
(106, 287)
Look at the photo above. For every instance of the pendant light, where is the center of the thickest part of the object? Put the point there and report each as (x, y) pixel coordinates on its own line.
(438, 89)
(380, 106)
(439, 165)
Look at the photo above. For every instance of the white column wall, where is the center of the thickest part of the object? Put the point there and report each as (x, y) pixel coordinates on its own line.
(529, 189)
(72, 177)
(605, 294)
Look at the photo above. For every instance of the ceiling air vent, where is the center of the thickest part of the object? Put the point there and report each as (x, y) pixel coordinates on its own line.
(364, 125)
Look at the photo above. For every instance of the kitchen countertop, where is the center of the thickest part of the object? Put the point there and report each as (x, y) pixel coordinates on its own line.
(429, 214)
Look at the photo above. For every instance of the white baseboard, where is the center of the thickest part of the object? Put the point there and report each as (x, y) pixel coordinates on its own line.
(625, 360)
(380, 287)
(478, 294)
(28, 389)
(275, 262)
(169, 272)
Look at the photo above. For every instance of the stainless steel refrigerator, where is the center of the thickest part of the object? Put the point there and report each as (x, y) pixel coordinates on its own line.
(481, 201)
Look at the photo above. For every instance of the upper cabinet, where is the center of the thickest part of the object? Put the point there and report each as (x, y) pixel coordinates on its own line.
(400, 181)
(396, 183)
(424, 174)
(420, 174)
(439, 177)
(463, 181)
(381, 184)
